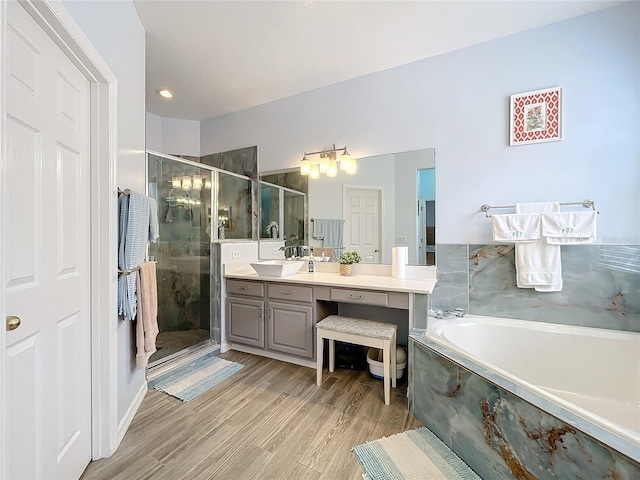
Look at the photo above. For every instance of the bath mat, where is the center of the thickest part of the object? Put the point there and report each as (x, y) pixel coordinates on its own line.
(195, 378)
(412, 455)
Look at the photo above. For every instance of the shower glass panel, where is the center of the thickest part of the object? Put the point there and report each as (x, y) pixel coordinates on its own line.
(235, 208)
(183, 253)
(269, 211)
(294, 208)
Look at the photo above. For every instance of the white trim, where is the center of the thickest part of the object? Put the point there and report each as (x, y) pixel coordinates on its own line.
(56, 21)
(3, 337)
(125, 423)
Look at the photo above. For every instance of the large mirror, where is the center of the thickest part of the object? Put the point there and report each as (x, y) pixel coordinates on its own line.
(388, 202)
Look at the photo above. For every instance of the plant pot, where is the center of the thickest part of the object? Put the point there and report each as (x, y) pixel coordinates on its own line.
(346, 269)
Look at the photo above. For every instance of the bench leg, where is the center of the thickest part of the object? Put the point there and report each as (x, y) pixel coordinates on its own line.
(319, 354)
(332, 354)
(394, 362)
(386, 360)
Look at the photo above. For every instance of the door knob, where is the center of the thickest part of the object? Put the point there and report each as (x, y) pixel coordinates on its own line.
(13, 322)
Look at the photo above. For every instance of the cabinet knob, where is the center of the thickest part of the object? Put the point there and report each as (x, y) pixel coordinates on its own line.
(259, 312)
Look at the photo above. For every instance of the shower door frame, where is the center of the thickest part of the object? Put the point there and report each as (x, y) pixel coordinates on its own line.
(213, 237)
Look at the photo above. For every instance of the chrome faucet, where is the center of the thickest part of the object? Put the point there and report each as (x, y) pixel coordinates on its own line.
(295, 251)
(440, 314)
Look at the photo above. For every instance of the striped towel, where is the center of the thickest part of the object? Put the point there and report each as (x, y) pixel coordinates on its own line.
(138, 226)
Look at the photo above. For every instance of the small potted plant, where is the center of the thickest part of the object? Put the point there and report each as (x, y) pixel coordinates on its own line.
(346, 261)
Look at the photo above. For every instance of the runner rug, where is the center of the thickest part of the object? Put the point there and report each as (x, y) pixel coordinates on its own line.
(195, 378)
(415, 454)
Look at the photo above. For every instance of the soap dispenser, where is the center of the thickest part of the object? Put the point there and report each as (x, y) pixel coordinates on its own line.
(312, 262)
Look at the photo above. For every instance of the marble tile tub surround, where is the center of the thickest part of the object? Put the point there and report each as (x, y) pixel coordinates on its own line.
(500, 435)
(601, 285)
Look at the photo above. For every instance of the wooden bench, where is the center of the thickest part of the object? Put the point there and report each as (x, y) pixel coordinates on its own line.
(360, 332)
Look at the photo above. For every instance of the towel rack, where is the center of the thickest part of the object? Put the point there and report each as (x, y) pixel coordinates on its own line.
(585, 203)
(126, 191)
(131, 270)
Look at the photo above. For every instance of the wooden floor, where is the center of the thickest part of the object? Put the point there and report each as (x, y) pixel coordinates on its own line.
(268, 421)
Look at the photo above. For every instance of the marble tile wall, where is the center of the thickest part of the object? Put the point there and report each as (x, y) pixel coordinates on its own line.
(498, 434)
(601, 285)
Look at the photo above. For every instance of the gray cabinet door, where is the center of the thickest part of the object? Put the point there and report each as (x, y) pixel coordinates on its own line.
(245, 321)
(290, 329)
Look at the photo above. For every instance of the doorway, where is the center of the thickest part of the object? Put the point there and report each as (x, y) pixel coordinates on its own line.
(363, 220)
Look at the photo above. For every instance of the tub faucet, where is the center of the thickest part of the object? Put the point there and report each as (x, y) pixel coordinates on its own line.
(440, 314)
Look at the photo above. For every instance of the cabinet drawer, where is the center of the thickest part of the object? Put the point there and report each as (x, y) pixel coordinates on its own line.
(360, 296)
(290, 292)
(242, 287)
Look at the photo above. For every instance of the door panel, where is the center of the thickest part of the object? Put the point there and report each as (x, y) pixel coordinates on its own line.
(47, 250)
(363, 220)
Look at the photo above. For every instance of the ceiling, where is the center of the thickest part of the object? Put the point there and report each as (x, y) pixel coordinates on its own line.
(224, 56)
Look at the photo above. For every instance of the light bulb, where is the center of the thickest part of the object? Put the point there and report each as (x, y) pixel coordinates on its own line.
(186, 183)
(197, 182)
(176, 182)
(333, 169)
(305, 166)
(345, 160)
(207, 184)
(353, 167)
(324, 162)
(315, 171)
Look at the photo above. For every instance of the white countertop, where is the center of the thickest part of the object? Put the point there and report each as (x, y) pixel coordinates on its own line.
(384, 283)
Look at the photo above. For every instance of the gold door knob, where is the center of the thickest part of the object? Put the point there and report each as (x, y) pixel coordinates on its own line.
(13, 322)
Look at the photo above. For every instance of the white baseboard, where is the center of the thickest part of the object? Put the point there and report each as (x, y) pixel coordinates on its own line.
(124, 424)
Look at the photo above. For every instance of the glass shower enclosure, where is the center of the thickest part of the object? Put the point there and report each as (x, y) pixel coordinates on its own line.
(197, 204)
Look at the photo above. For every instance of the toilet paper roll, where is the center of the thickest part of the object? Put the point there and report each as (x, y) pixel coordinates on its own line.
(399, 260)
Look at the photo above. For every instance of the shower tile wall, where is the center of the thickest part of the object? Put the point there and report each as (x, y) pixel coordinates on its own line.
(235, 193)
(601, 285)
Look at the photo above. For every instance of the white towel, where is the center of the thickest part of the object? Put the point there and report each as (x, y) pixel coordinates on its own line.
(538, 264)
(516, 228)
(569, 228)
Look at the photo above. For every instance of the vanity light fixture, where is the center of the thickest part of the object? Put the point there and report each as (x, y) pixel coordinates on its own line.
(328, 163)
(165, 92)
(191, 182)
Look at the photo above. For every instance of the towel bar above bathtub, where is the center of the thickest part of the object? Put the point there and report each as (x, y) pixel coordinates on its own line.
(585, 203)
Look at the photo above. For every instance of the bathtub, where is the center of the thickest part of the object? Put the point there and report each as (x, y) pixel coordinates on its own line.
(586, 377)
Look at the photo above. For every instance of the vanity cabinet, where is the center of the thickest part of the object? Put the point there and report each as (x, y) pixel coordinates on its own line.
(245, 312)
(272, 316)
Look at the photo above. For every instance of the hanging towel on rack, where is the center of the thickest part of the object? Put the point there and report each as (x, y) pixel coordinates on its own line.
(538, 264)
(569, 228)
(138, 226)
(516, 227)
(332, 232)
(147, 313)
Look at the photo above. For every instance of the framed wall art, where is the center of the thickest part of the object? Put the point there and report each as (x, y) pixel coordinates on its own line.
(536, 116)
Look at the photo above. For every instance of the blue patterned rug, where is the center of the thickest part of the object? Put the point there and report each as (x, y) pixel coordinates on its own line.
(195, 378)
(412, 455)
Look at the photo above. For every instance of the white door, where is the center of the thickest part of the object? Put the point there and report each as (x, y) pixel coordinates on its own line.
(46, 257)
(362, 222)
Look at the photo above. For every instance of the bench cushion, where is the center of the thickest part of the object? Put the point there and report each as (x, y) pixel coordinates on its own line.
(358, 326)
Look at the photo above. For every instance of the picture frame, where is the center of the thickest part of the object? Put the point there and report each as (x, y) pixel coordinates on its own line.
(536, 117)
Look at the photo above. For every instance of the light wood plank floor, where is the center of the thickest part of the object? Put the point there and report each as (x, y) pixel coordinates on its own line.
(268, 421)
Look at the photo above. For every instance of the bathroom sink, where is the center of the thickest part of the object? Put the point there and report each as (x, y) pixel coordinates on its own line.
(276, 268)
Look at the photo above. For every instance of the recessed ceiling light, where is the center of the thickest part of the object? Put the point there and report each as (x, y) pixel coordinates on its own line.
(165, 92)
